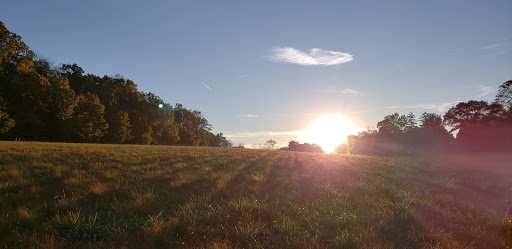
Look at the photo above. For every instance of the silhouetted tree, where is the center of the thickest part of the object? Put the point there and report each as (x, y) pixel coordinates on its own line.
(220, 141)
(74, 74)
(431, 121)
(44, 68)
(504, 98)
(479, 125)
(366, 142)
(351, 144)
(431, 136)
(395, 125)
(472, 114)
(504, 95)
(395, 134)
(270, 144)
(341, 149)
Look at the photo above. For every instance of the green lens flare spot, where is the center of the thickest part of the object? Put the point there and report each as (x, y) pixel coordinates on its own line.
(160, 106)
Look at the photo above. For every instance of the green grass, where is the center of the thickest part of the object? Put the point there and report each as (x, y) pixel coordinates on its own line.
(114, 196)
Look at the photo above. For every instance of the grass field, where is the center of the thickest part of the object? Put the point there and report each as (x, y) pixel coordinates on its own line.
(113, 196)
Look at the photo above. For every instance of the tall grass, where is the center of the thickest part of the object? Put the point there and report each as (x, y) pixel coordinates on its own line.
(114, 196)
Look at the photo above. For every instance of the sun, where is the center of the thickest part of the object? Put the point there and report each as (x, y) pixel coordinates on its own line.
(330, 131)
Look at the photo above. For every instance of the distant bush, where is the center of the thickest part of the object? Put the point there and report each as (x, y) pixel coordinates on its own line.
(305, 147)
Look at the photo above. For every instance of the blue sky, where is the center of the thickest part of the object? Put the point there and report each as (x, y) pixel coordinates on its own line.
(265, 70)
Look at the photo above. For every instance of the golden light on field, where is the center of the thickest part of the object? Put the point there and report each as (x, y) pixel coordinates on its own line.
(330, 131)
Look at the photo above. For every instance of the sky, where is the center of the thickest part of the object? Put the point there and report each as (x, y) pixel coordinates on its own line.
(265, 70)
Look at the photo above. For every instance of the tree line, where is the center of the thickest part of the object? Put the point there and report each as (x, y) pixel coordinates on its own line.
(40, 102)
(305, 147)
(472, 126)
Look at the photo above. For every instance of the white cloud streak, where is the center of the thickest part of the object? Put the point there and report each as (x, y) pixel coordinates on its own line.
(439, 107)
(500, 48)
(206, 86)
(248, 116)
(345, 91)
(485, 90)
(316, 56)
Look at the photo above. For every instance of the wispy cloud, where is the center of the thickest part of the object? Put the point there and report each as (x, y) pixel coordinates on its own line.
(248, 115)
(485, 90)
(316, 56)
(206, 86)
(499, 48)
(243, 76)
(345, 91)
(492, 46)
(439, 107)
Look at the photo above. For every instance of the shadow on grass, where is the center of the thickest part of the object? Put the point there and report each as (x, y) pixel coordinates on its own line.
(400, 227)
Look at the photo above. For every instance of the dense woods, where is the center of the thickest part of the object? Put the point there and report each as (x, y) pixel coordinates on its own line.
(39, 102)
(472, 126)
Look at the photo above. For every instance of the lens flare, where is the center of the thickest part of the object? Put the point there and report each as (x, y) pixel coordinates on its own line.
(330, 131)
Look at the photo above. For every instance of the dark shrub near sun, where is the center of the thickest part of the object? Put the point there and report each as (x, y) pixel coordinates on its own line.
(305, 147)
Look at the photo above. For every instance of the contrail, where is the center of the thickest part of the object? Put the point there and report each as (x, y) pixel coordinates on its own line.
(206, 86)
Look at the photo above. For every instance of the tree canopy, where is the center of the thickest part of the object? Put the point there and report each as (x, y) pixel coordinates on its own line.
(473, 126)
(45, 103)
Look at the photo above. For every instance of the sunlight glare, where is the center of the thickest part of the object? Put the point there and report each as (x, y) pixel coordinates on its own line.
(330, 131)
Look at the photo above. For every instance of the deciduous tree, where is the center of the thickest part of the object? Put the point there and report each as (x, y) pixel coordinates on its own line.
(89, 124)
(6, 123)
(504, 95)
(270, 144)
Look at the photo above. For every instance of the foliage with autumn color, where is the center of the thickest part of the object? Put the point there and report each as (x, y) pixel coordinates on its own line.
(40, 102)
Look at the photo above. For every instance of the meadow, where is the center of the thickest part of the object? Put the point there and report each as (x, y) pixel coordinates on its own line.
(55, 195)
